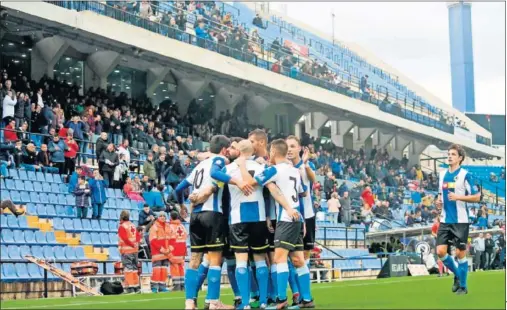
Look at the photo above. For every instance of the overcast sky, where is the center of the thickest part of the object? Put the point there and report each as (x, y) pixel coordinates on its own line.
(414, 38)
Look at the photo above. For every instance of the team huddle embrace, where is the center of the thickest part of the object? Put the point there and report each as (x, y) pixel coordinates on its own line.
(254, 210)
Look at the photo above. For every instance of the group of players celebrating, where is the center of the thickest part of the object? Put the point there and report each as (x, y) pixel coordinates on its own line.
(255, 210)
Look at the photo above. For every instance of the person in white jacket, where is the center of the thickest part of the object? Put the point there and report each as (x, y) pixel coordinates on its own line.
(8, 107)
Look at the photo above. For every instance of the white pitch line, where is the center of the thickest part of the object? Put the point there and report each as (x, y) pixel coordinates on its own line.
(176, 298)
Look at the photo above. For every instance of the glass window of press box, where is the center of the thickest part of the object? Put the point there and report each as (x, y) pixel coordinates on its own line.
(127, 80)
(70, 71)
(165, 91)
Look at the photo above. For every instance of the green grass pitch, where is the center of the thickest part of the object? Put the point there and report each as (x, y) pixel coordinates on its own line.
(486, 291)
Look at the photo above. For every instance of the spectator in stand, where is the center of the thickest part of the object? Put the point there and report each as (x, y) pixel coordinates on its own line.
(110, 160)
(336, 168)
(145, 9)
(120, 172)
(44, 160)
(132, 190)
(29, 159)
(24, 134)
(100, 147)
(9, 103)
(333, 206)
(57, 147)
(329, 184)
(70, 153)
(98, 193)
(367, 216)
(146, 217)
(82, 193)
(367, 197)
(482, 222)
(149, 167)
(479, 247)
(6, 160)
(19, 111)
(257, 21)
(74, 178)
(10, 136)
(181, 21)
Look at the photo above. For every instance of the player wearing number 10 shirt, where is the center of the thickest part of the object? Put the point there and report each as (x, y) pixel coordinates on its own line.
(207, 232)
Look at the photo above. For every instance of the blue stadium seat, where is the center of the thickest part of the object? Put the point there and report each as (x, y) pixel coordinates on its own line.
(50, 237)
(96, 225)
(66, 267)
(109, 192)
(31, 175)
(19, 237)
(11, 184)
(50, 210)
(58, 224)
(34, 197)
(104, 239)
(49, 178)
(12, 222)
(96, 238)
(59, 253)
(25, 250)
(62, 200)
(7, 236)
(23, 223)
(77, 225)
(23, 176)
(40, 237)
(68, 224)
(28, 186)
(80, 254)
(70, 253)
(40, 177)
(9, 273)
(41, 210)
(113, 226)
(48, 252)
(55, 188)
(15, 197)
(37, 251)
(2, 183)
(25, 197)
(70, 211)
(4, 255)
(14, 252)
(57, 178)
(104, 225)
(113, 238)
(109, 268)
(14, 173)
(22, 272)
(62, 187)
(86, 239)
(134, 205)
(53, 199)
(118, 193)
(87, 225)
(35, 272)
(70, 199)
(30, 237)
(44, 198)
(114, 254)
(5, 194)
(37, 186)
(60, 211)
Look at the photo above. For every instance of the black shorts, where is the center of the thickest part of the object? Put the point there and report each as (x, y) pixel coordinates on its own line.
(271, 237)
(453, 234)
(309, 239)
(246, 237)
(207, 232)
(289, 236)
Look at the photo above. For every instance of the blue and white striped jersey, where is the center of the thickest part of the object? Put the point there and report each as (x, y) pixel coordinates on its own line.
(288, 179)
(245, 209)
(461, 183)
(306, 202)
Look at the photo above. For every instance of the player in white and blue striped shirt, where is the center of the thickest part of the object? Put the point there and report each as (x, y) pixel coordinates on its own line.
(456, 189)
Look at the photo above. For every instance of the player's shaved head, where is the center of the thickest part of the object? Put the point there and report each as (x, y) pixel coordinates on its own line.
(279, 148)
(245, 148)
